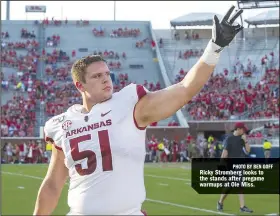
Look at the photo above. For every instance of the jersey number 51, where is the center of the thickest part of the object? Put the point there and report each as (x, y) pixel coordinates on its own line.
(90, 155)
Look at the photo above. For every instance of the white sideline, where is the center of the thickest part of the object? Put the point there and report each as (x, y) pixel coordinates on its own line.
(165, 177)
(150, 200)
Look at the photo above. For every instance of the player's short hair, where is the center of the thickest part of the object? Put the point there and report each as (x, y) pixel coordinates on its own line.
(78, 70)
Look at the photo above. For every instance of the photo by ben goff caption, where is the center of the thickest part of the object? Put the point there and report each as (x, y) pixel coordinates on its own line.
(251, 177)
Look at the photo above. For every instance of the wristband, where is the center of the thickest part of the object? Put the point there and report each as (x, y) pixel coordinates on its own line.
(211, 53)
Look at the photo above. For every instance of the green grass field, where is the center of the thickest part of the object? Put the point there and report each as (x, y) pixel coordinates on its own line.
(168, 193)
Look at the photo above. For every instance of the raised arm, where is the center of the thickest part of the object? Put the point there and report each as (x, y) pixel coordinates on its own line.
(162, 104)
(52, 185)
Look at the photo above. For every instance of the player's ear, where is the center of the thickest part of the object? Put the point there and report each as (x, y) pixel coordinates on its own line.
(79, 86)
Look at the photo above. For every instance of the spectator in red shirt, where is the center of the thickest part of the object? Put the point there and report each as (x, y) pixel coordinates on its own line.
(73, 53)
(153, 44)
(249, 86)
(181, 72)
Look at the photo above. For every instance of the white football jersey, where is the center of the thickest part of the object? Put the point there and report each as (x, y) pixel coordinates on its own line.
(104, 152)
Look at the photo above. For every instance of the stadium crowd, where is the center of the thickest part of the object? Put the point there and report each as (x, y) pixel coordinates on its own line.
(29, 45)
(18, 117)
(224, 98)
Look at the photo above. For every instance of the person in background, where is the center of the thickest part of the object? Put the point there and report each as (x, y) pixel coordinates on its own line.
(48, 151)
(192, 150)
(26, 149)
(160, 147)
(158, 152)
(9, 153)
(21, 153)
(3, 153)
(30, 152)
(267, 148)
(40, 153)
(175, 151)
(200, 144)
(212, 150)
(210, 139)
(219, 148)
(235, 146)
(16, 152)
(183, 151)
